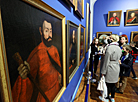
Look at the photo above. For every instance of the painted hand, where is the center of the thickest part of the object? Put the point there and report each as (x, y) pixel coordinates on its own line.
(24, 69)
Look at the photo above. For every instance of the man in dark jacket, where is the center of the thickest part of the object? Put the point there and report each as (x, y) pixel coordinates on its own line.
(126, 63)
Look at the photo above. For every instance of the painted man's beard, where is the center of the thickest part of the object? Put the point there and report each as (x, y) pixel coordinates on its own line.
(46, 42)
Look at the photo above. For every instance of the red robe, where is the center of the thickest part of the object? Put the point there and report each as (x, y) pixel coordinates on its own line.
(131, 20)
(41, 67)
(112, 19)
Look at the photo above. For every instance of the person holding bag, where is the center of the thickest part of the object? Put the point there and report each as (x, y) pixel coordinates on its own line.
(111, 67)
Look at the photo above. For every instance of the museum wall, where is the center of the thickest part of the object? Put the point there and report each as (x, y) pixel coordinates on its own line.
(101, 9)
(62, 7)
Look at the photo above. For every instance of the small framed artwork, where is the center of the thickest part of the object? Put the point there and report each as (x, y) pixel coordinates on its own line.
(72, 49)
(71, 2)
(82, 43)
(88, 18)
(134, 36)
(30, 40)
(131, 17)
(114, 18)
(79, 7)
(102, 35)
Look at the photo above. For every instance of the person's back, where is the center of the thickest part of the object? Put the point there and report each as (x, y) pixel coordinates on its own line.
(111, 68)
(113, 53)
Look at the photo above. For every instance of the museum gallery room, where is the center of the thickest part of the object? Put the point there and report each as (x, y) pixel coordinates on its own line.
(69, 51)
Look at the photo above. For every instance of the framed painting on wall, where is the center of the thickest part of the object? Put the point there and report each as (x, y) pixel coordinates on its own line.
(72, 49)
(32, 51)
(114, 18)
(102, 35)
(88, 13)
(79, 7)
(131, 17)
(134, 36)
(82, 43)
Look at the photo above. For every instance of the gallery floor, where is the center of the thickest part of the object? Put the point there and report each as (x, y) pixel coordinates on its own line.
(130, 94)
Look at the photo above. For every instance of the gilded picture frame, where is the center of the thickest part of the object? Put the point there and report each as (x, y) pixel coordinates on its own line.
(72, 49)
(101, 35)
(88, 19)
(134, 36)
(131, 17)
(82, 43)
(114, 18)
(8, 43)
(79, 7)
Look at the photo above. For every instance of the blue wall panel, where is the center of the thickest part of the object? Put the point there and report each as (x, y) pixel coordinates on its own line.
(62, 7)
(69, 92)
(101, 9)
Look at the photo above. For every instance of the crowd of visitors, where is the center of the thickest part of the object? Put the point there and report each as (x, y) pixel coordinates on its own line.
(117, 59)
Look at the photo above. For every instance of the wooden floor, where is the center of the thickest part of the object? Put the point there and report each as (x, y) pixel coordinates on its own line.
(130, 94)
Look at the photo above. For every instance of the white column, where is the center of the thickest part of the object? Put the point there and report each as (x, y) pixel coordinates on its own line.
(92, 2)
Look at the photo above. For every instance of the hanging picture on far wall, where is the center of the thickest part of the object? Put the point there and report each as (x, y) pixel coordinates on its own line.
(102, 35)
(88, 16)
(72, 49)
(131, 17)
(82, 43)
(79, 7)
(114, 18)
(134, 36)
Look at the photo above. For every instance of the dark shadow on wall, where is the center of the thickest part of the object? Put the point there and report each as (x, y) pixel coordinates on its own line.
(65, 4)
(105, 19)
(67, 70)
(76, 15)
(124, 18)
